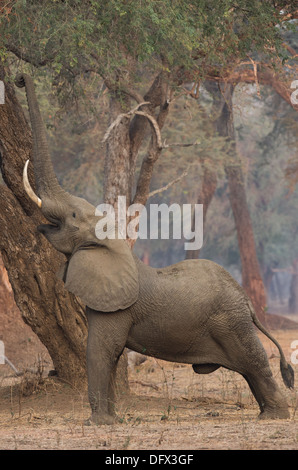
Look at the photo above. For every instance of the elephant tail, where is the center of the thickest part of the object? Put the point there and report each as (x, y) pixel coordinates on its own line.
(286, 369)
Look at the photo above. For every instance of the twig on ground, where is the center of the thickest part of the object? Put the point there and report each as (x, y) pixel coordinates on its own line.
(144, 384)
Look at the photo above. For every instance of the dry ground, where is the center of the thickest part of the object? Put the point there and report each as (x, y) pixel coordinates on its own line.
(170, 408)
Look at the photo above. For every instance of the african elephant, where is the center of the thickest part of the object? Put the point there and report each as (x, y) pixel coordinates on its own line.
(192, 312)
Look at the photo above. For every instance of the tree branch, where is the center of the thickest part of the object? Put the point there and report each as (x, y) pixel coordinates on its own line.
(154, 151)
(266, 76)
(20, 54)
(165, 146)
(290, 50)
(167, 186)
(119, 119)
(138, 126)
(154, 125)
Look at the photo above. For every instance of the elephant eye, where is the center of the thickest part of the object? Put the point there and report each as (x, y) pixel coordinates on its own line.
(74, 215)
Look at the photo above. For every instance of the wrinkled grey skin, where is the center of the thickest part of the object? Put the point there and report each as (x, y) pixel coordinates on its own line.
(193, 312)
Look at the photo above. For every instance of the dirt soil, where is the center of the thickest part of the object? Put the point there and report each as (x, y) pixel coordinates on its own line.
(169, 408)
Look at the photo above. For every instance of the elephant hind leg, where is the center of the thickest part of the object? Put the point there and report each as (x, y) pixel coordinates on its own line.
(255, 393)
(256, 371)
(205, 368)
(242, 351)
(271, 401)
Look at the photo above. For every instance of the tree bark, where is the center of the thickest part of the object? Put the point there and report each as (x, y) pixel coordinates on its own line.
(117, 160)
(55, 315)
(120, 164)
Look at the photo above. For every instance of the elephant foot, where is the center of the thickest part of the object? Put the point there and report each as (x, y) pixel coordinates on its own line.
(100, 419)
(275, 413)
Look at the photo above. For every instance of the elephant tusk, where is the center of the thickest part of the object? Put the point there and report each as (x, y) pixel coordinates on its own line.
(28, 187)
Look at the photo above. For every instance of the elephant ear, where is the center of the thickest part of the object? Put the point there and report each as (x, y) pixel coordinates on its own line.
(105, 277)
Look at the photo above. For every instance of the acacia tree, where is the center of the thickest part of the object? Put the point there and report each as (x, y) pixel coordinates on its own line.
(128, 44)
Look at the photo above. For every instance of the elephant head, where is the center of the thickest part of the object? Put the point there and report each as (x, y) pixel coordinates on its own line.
(101, 272)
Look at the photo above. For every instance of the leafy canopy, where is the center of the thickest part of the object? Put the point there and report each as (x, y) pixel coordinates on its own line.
(113, 37)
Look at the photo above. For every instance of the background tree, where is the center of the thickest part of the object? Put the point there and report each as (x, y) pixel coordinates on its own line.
(251, 275)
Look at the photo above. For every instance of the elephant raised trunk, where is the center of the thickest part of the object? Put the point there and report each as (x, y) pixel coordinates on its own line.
(46, 181)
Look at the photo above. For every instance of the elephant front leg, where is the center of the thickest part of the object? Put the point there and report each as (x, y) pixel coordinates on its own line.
(99, 393)
(101, 364)
(106, 341)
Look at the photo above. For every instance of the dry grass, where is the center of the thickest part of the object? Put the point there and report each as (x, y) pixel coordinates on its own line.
(170, 408)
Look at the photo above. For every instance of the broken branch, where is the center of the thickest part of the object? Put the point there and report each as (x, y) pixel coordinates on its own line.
(155, 126)
(119, 119)
(167, 186)
(165, 146)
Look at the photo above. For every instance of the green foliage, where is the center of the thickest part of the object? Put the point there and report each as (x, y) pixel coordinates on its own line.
(114, 37)
(75, 44)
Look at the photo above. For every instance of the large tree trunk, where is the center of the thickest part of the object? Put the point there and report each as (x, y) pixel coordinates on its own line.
(251, 274)
(120, 163)
(117, 161)
(55, 315)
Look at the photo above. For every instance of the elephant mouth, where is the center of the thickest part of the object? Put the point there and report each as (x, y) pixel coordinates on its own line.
(46, 228)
